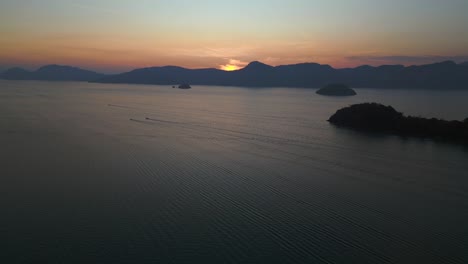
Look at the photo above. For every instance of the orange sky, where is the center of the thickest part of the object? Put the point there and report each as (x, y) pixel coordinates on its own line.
(227, 35)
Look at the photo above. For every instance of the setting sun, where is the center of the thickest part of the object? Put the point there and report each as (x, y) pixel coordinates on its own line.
(229, 67)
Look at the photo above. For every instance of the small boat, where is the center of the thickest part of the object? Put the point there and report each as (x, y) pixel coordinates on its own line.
(184, 86)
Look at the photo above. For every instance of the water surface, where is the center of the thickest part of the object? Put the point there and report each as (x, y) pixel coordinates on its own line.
(97, 173)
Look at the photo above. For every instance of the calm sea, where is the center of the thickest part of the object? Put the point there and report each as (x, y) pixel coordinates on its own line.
(97, 173)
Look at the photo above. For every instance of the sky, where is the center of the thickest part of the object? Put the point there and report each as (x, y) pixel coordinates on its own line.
(120, 35)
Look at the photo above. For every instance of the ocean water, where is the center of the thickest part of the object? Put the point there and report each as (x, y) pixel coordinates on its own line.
(98, 173)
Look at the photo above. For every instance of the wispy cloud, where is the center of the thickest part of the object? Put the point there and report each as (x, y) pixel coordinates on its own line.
(233, 64)
(405, 60)
(225, 53)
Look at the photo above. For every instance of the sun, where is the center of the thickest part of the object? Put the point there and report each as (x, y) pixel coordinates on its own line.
(229, 67)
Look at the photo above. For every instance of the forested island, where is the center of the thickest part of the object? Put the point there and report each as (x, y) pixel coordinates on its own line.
(380, 118)
(336, 89)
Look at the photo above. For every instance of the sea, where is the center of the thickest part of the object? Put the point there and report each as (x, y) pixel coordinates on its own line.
(117, 173)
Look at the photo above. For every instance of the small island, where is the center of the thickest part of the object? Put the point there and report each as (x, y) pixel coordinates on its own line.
(184, 86)
(379, 118)
(336, 89)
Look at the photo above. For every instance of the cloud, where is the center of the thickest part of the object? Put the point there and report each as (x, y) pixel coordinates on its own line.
(102, 51)
(405, 60)
(226, 53)
(233, 64)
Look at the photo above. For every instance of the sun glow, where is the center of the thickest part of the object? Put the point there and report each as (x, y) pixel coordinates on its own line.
(229, 67)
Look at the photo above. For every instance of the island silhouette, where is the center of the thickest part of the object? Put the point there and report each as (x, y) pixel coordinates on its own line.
(336, 89)
(380, 118)
(442, 75)
(185, 86)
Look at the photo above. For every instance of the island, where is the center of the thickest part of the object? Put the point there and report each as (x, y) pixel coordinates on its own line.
(380, 118)
(336, 89)
(184, 86)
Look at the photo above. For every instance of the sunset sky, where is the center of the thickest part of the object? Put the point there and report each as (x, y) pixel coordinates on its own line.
(119, 35)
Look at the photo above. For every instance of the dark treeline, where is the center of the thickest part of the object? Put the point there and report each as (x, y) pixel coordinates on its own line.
(380, 118)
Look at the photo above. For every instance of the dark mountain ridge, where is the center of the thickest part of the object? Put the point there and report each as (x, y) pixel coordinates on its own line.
(442, 75)
(16, 74)
(52, 73)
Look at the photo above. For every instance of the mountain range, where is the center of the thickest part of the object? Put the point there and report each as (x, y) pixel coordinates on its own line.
(442, 75)
(52, 73)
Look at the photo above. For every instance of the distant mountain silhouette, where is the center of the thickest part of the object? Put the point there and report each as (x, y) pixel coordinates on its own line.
(167, 75)
(442, 75)
(52, 73)
(464, 63)
(16, 74)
